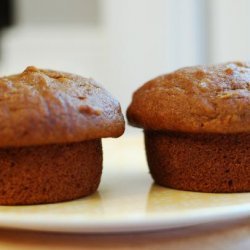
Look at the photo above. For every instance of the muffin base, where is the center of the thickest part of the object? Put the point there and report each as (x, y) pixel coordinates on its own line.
(198, 162)
(50, 173)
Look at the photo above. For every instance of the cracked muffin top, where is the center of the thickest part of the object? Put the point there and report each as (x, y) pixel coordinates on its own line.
(202, 99)
(48, 107)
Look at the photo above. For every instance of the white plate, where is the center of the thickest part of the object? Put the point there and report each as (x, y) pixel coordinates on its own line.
(127, 201)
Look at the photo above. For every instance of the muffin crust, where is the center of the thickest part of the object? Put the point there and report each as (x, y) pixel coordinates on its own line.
(203, 99)
(40, 107)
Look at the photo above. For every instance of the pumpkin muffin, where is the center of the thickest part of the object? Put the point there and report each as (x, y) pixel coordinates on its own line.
(196, 122)
(51, 125)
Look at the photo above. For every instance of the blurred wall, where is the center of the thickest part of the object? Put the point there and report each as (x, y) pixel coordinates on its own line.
(229, 30)
(148, 38)
(63, 12)
(122, 44)
(132, 42)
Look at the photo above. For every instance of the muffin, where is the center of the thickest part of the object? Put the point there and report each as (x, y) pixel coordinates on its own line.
(196, 122)
(51, 125)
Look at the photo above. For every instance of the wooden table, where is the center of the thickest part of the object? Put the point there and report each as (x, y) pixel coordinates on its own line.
(231, 235)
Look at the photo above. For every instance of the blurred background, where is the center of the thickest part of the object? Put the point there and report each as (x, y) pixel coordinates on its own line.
(121, 43)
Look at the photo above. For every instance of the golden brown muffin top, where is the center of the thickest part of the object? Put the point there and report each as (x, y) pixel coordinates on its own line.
(46, 107)
(202, 99)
